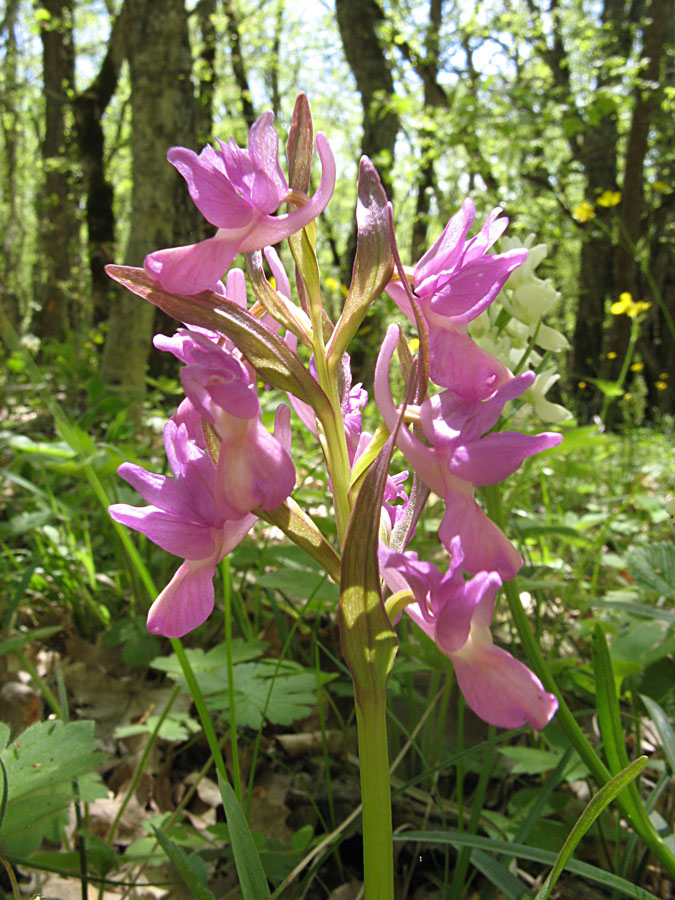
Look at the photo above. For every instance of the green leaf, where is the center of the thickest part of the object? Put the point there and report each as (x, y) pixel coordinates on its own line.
(374, 262)
(296, 525)
(192, 875)
(609, 721)
(203, 663)
(535, 854)
(252, 879)
(41, 766)
(18, 641)
(653, 568)
(608, 388)
(272, 359)
(529, 760)
(593, 809)
(175, 727)
(504, 880)
(609, 714)
(276, 691)
(643, 643)
(663, 728)
(369, 643)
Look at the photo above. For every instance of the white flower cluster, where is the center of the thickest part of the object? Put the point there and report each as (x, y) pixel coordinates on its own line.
(512, 332)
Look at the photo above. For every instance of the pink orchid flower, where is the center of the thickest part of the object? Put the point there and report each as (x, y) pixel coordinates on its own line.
(254, 469)
(462, 457)
(184, 518)
(456, 615)
(238, 191)
(454, 282)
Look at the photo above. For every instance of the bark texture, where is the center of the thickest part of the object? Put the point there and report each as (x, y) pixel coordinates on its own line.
(163, 115)
(90, 106)
(54, 284)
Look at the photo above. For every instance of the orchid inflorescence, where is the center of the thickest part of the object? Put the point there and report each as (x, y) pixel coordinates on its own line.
(229, 470)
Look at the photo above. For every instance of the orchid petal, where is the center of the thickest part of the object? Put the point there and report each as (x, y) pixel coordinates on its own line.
(186, 602)
(458, 363)
(485, 546)
(470, 291)
(498, 455)
(211, 190)
(170, 531)
(194, 268)
(500, 689)
(272, 229)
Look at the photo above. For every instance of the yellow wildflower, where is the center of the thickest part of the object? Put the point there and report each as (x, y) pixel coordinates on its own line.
(663, 375)
(414, 345)
(582, 384)
(626, 304)
(611, 355)
(584, 212)
(660, 385)
(609, 198)
(637, 367)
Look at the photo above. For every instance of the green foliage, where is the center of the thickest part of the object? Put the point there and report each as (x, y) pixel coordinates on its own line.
(265, 690)
(42, 767)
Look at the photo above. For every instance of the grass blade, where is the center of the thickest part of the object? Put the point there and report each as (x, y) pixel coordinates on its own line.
(593, 809)
(252, 878)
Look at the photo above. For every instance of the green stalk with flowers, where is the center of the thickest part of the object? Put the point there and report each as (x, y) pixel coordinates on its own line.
(229, 471)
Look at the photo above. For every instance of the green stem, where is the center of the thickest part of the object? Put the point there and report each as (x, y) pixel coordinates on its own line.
(40, 683)
(202, 711)
(638, 816)
(378, 848)
(630, 349)
(227, 592)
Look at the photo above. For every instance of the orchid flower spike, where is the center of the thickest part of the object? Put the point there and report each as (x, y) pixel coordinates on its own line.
(238, 191)
(454, 282)
(183, 518)
(456, 615)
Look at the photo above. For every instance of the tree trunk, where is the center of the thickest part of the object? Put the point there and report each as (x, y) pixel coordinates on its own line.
(12, 229)
(163, 114)
(648, 91)
(433, 98)
(238, 64)
(54, 287)
(90, 106)
(358, 21)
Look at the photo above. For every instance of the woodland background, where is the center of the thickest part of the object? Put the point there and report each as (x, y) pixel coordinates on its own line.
(542, 108)
(561, 111)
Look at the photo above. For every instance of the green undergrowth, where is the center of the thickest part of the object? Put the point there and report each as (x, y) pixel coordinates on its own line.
(591, 523)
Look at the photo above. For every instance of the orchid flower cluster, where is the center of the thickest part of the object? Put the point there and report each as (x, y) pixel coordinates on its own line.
(228, 470)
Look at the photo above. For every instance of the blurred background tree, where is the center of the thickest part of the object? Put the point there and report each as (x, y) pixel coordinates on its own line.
(559, 112)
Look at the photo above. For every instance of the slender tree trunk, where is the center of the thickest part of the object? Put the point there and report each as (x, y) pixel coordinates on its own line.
(90, 106)
(163, 115)
(433, 97)
(633, 222)
(359, 22)
(596, 270)
(207, 70)
(54, 287)
(238, 63)
(12, 235)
